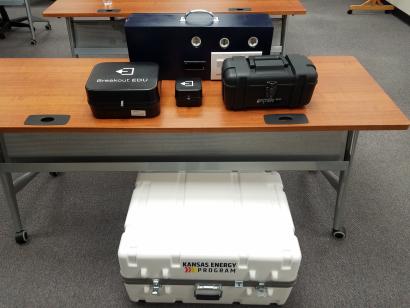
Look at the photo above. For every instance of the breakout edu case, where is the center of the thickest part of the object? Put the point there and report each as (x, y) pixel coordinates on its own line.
(124, 90)
(209, 238)
(182, 44)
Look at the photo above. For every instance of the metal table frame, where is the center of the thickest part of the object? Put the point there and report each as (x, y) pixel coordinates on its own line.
(91, 51)
(32, 167)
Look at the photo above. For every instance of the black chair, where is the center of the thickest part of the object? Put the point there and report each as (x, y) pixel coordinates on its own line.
(6, 23)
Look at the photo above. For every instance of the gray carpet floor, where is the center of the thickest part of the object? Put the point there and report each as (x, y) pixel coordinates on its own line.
(75, 221)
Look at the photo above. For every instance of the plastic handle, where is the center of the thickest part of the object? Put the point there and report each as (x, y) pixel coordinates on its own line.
(199, 11)
(215, 19)
(253, 61)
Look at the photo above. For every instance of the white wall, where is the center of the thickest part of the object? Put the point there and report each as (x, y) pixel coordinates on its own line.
(403, 5)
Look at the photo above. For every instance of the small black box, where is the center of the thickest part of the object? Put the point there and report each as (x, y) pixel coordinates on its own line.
(188, 92)
(267, 81)
(124, 90)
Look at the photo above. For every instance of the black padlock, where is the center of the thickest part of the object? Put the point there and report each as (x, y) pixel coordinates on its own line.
(188, 92)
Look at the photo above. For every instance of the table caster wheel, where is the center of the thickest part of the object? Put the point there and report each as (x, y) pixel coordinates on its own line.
(2, 36)
(339, 234)
(349, 12)
(21, 237)
(33, 42)
(48, 27)
(54, 174)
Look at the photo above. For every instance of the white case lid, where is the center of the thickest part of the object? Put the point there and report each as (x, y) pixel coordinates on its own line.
(253, 199)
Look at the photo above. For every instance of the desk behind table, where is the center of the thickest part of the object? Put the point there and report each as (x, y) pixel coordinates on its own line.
(93, 32)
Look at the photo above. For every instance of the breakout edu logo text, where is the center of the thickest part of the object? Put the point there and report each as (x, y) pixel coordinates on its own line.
(209, 267)
(122, 80)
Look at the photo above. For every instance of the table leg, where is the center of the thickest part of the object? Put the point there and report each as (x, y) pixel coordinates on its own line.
(71, 35)
(339, 231)
(283, 33)
(11, 201)
(30, 22)
(23, 180)
(10, 196)
(331, 178)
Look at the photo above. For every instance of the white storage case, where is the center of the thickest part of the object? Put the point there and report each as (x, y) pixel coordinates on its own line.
(209, 238)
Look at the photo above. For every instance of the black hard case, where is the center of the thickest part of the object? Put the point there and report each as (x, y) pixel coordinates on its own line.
(268, 81)
(124, 90)
(163, 39)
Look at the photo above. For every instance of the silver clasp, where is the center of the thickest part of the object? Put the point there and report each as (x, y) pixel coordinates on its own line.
(155, 286)
(261, 289)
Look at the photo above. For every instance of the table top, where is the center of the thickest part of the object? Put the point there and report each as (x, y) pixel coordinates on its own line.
(88, 8)
(346, 98)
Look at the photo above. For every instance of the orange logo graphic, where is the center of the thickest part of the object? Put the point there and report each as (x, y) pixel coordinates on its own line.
(190, 269)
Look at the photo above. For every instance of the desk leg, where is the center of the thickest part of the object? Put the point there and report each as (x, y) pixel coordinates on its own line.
(11, 201)
(339, 231)
(30, 22)
(23, 180)
(283, 33)
(71, 35)
(10, 196)
(332, 178)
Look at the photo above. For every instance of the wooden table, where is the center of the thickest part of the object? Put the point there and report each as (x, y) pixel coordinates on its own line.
(82, 32)
(347, 99)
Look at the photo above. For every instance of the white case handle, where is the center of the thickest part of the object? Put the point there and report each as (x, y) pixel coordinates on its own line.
(214, 18)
